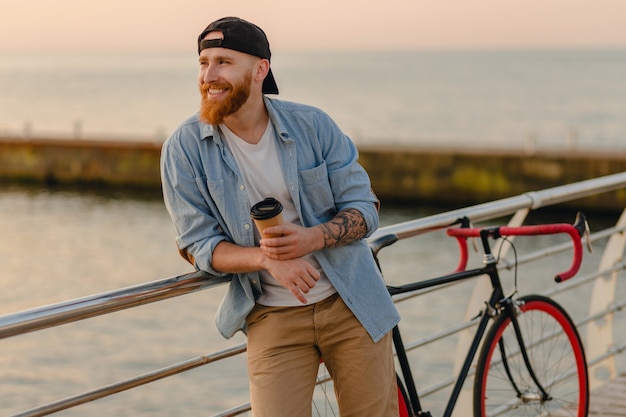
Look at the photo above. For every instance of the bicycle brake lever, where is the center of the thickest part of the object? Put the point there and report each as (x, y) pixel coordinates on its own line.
(587, 238)
(582, 226)
(474, 245)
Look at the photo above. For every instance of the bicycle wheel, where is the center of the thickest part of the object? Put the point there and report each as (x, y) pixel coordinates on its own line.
(503, 385)
(325, 404)
(403, 400)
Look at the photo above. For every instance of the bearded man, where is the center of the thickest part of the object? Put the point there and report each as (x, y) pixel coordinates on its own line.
(313, 290)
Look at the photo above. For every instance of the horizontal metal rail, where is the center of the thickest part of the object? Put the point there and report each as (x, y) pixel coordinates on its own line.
(531, 200)
(104, 303)
(125, 385)
(91, 306)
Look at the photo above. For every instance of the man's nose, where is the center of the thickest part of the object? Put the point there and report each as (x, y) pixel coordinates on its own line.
(209, 74)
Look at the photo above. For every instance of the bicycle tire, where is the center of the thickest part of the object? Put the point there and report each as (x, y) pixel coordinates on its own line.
(404, 408)
(556, 355)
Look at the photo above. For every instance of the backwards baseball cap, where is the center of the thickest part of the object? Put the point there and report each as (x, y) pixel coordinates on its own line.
(243, 36)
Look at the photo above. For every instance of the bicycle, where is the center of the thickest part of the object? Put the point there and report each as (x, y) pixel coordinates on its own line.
(532, 361)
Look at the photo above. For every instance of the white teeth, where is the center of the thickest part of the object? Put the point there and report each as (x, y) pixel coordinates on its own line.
(216, 90)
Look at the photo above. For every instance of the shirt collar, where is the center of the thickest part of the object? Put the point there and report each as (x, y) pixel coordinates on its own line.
(281, 132)
(207, 131)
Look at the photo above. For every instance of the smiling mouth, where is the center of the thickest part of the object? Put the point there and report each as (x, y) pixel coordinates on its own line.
(209, 90)
(215, 89)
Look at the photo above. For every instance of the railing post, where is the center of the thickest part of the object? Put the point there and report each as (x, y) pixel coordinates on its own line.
(600, 332)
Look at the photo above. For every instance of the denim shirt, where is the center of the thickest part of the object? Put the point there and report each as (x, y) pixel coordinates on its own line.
(205, 195)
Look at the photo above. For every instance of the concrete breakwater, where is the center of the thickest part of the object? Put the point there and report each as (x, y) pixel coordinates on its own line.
(454, 177)
(459, 177)
(80, 162)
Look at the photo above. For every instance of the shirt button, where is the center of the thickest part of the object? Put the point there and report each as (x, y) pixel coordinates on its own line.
(242, 187)
(246, 226)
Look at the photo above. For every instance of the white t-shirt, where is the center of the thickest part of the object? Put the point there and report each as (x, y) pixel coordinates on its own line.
(263, 177)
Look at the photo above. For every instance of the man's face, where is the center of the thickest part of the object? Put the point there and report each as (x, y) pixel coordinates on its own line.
(224, 80)
(231, 98)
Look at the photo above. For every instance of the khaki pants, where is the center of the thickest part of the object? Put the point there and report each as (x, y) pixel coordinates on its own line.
(284, 349)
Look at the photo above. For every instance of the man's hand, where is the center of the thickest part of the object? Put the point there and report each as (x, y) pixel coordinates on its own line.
(297, 275)
(295, 242)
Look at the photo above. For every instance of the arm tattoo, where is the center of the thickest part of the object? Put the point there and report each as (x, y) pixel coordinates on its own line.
(346, 227)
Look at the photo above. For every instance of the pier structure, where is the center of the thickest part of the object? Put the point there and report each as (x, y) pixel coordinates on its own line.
(435, 175)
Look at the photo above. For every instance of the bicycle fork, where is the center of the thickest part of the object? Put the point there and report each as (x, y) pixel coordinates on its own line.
(509, 308)
(525, 396)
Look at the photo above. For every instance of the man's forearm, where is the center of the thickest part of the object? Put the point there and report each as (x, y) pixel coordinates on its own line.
(235, 259)
(346, 227)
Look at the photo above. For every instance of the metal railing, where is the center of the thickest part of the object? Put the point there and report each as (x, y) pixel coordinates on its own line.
(600, 345)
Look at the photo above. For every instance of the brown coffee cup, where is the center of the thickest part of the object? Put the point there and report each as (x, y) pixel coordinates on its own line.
(267, 213)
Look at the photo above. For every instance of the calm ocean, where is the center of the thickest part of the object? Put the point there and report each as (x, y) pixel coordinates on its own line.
(554, 98)
(57, 245)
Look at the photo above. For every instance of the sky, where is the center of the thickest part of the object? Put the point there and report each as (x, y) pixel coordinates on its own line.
(152, 25)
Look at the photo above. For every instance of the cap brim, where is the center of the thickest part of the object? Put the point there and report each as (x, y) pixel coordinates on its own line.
(269, 84)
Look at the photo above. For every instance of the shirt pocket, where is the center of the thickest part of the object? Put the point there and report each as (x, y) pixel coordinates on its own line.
(316, 191)
(212, 190)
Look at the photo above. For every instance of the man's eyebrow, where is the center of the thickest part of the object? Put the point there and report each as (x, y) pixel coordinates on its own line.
(221, 57)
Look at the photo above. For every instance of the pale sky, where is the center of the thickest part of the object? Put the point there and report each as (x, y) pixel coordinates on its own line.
(155, 25)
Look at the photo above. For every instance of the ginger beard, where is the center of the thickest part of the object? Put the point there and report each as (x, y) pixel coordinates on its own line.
(213, 112)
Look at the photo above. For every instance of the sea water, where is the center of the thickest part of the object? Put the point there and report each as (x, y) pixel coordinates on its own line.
(548, 98)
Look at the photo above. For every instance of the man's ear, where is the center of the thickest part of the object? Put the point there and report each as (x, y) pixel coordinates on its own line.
(262, 67)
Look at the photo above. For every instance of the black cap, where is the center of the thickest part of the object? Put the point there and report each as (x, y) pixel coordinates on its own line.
(243, 36)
